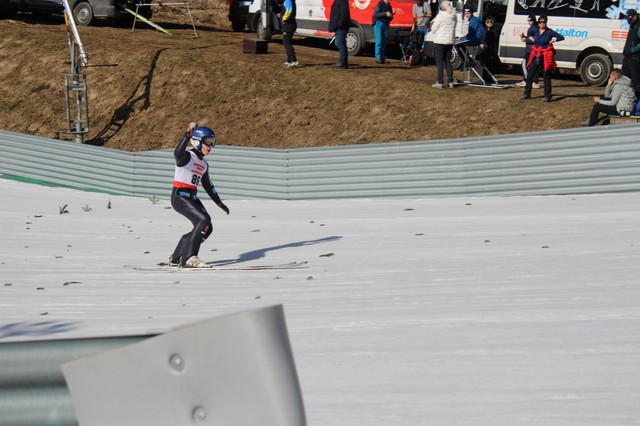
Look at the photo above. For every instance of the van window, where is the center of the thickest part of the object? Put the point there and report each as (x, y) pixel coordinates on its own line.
(497, 9)
(598, 9)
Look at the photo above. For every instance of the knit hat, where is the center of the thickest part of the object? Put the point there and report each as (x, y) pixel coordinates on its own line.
(631, 12)
(531, 18)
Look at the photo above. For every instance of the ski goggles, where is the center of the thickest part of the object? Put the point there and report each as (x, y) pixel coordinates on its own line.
(209, 141)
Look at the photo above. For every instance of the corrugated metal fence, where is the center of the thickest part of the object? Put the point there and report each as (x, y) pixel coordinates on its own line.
(590, 160)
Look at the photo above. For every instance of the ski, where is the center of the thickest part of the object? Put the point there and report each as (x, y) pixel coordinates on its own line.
(167, 268)
(145, 20)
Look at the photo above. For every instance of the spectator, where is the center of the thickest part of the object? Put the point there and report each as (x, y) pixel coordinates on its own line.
(339, 22)
(533, 27)
(619, 97)
(474, 39)
(382, 16)
(443, 28)
(421, 16)
(631, 51)
(542, 57)
(489, 54)
(289, 25)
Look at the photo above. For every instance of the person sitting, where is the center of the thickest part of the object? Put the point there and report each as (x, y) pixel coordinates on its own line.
(421, 17)
(619, 97)
(489, 54)
(474, 39)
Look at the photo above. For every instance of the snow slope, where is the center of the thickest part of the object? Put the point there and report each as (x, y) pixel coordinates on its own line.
(456, 311)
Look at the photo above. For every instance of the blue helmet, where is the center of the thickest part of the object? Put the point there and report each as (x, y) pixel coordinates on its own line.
(203, 135)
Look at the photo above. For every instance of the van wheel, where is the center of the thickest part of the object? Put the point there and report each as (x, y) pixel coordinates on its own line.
(595, 69)
(355, 41)
(456, 60)
(238, 26)
(262, 32)
(83, 14)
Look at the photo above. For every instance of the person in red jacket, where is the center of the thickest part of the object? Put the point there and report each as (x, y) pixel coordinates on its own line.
(541, 57)
(191, 170)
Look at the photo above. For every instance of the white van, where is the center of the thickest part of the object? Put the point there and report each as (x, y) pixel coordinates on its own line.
(595, 32)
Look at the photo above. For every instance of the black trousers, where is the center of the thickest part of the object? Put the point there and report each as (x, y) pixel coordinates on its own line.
(185, 202)
(443, 61)
(631, 68)
(597, 109)
(287, 41)
(533, 71)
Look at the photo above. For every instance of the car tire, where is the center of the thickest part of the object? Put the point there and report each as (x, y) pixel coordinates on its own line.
(262, 32)
(238, 26)
(83, 14)
(595, 69)
(146, 12)
(355, 41)
(456, 60)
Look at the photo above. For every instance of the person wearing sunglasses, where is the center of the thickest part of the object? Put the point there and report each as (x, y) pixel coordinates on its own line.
(542, 57)
(191, 170)
(489, 54)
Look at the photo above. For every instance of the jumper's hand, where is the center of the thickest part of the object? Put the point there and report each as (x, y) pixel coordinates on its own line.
(192, 126)
(224, 207)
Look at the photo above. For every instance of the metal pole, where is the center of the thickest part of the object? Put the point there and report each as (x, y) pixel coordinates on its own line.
(77, 82)
(76, 36)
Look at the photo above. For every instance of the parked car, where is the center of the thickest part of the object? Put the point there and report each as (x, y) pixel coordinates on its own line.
(84, 11)
(238, 13)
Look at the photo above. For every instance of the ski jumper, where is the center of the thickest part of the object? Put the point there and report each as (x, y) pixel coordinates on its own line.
(190, 171)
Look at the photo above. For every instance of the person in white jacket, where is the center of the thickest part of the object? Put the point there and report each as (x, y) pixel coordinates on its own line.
(443, 28)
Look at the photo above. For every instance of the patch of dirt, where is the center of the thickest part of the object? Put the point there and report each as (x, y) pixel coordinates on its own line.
(144, 87)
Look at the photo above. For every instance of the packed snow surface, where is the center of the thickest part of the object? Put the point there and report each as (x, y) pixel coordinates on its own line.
(453, 311)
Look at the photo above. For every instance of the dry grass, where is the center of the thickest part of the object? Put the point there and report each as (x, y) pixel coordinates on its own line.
(144, 87)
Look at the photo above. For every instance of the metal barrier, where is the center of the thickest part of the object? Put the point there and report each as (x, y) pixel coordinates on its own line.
(590, 160)
(33, 390)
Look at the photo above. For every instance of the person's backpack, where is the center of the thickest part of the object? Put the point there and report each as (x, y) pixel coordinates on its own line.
(416, 58)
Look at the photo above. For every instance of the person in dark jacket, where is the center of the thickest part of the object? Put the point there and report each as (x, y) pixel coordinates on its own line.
(542, 57)
(289, 26)
(532, 21)
(382, 16)
(489, 53)
(339, 23)
(631, 51)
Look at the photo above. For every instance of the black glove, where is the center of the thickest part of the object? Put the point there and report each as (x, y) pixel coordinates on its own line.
(224, 207)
